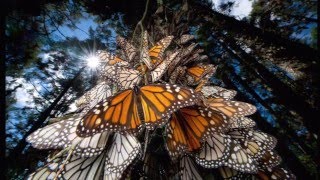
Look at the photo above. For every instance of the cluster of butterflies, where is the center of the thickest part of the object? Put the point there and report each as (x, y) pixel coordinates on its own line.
(155, 115)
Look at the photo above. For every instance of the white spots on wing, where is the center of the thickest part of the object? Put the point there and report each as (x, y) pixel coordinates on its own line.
(98, 121)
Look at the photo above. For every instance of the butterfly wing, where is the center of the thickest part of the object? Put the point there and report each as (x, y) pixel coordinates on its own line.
(156, 53)
(75, 168)
(185, 38)
(175, 76)
(218, 92)
(62, 134)
(254, 142)
(124, 77)
(230, 174)
(196, 73)
(231, 108)
(123, 150)
(53, 136)
(191, 125)
(240, 160)
(109, 59)
(117, 113)
(214, 151)
(98, 93)
(241, 122)
(276, 173)
(182, 54)
(129, 49)
(158, 72)
(188, 169)
(159, 101)
(269, 160)
(145, 53)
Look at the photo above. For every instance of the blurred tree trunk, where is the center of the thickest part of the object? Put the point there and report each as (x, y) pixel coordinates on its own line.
(286, 95)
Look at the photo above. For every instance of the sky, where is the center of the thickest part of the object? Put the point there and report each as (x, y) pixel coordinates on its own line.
(241, 9)
(82, 30)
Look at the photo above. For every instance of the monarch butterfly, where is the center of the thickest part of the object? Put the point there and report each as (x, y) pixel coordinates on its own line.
(62, 134)
(191, 125)
(153, 57)
(218, 92)
(188, 169)
(175, 76)
(127, 78)
(195, 57)
(129, 49)
(238, 149)
(276, 173)
(110, 59)
(241, 123)
(96, 94)
(124, 77)
(228, 174)
(185, 38)
(199, 72)
(122, 151)
(155, 166)
(240, 160)
(121, 112)
(231, 108)
(269, 160)
(215, 151)
(181, 55)
(156, 53)
(116, 157)
(75, 168)
(255, 142)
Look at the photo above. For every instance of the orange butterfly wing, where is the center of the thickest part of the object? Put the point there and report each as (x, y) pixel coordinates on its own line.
(196, 71)
(117, 113)
(231, 108)
(199, 73)
(191, 125)
(157, 51)
(160, 101)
